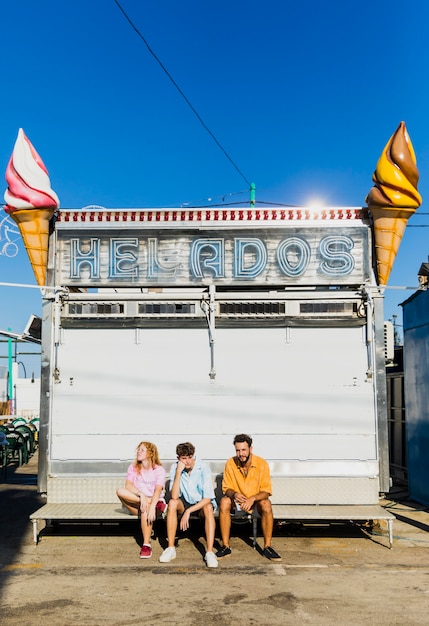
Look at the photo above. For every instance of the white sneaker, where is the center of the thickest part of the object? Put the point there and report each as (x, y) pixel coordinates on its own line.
(211, 559)
(168, 555)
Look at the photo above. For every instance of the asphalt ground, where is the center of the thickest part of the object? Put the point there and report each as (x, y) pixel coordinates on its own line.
(91, 574)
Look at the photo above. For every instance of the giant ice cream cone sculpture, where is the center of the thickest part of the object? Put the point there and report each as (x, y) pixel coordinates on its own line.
(393, 199)
(30, 202)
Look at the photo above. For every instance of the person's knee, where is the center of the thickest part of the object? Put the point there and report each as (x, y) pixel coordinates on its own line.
(173, 504)
(208, 510)
(265, 507)
(225, 504)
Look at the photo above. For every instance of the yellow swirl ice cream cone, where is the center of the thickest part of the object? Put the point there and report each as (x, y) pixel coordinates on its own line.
(31, 202)
(393, 199)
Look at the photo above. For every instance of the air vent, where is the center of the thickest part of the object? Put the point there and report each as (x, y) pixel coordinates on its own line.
(95, 309)
(389, 342)
(171, 309)
(328, 308)
(251, 309)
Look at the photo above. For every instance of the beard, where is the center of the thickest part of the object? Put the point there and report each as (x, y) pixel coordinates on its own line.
(242, 461)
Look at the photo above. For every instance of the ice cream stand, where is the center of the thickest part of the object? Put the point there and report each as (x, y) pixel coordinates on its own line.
(193, 325)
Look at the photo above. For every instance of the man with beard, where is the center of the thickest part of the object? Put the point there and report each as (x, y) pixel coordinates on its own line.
(246, 484)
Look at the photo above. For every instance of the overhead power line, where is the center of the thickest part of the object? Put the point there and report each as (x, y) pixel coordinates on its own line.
(188, 102)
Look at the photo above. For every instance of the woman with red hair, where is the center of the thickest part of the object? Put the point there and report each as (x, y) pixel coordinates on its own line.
(143, 493)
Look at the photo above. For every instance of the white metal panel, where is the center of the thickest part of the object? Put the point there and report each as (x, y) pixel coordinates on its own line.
(274, 447)
(301, 392)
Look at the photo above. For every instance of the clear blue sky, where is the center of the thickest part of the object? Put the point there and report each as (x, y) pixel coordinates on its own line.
(302, 95)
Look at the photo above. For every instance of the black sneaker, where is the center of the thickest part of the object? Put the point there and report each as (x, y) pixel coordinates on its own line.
(271, 554)
(225, 551)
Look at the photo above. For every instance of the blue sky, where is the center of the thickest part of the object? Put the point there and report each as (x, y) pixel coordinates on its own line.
(302, 96)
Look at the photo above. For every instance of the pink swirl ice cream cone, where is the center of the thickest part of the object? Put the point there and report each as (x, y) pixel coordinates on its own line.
(30, 202)
(393, 199)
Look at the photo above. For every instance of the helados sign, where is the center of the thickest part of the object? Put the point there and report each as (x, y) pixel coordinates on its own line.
(277, 256)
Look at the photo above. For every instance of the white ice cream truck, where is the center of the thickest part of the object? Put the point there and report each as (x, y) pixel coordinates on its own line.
(195, 325)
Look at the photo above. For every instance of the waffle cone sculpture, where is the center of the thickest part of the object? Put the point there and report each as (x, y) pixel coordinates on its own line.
(31, 202)
(33, 225)
(393, 199)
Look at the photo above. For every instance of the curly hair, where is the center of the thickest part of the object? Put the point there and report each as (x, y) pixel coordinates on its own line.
(152, 454)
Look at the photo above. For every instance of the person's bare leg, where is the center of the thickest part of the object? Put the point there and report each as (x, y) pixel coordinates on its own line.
(146, 529)
(225, 520)
(129, 500)
(175, 508)
(210, 526)
(267, 521)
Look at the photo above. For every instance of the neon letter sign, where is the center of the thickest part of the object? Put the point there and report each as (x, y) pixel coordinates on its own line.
(89, 259)
(335, 252)
(207, 254)
(154, 265)
(122, 258)
(250, 257)
(293, 256)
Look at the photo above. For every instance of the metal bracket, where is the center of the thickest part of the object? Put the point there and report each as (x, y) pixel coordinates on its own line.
(209, 310)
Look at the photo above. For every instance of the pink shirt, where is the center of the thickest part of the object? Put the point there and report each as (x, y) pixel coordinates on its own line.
(147, 479)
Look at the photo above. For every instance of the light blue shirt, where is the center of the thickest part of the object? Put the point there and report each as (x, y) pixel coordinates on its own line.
(197, 484)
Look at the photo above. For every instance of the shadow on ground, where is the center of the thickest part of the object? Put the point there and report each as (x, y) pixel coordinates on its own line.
(18, 499)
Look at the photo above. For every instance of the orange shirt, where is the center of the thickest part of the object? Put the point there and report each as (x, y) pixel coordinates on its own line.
(258, 477)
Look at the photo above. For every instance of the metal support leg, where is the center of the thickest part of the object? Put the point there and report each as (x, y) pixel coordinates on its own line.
(35, 531)
(255, 530)
(390, 528)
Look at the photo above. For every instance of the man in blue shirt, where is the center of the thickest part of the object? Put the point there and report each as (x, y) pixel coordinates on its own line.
(192, 491)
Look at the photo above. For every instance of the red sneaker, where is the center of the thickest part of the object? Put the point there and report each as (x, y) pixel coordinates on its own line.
(146, 552)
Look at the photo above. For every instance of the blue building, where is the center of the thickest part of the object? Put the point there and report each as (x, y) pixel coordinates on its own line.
(416, 372)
